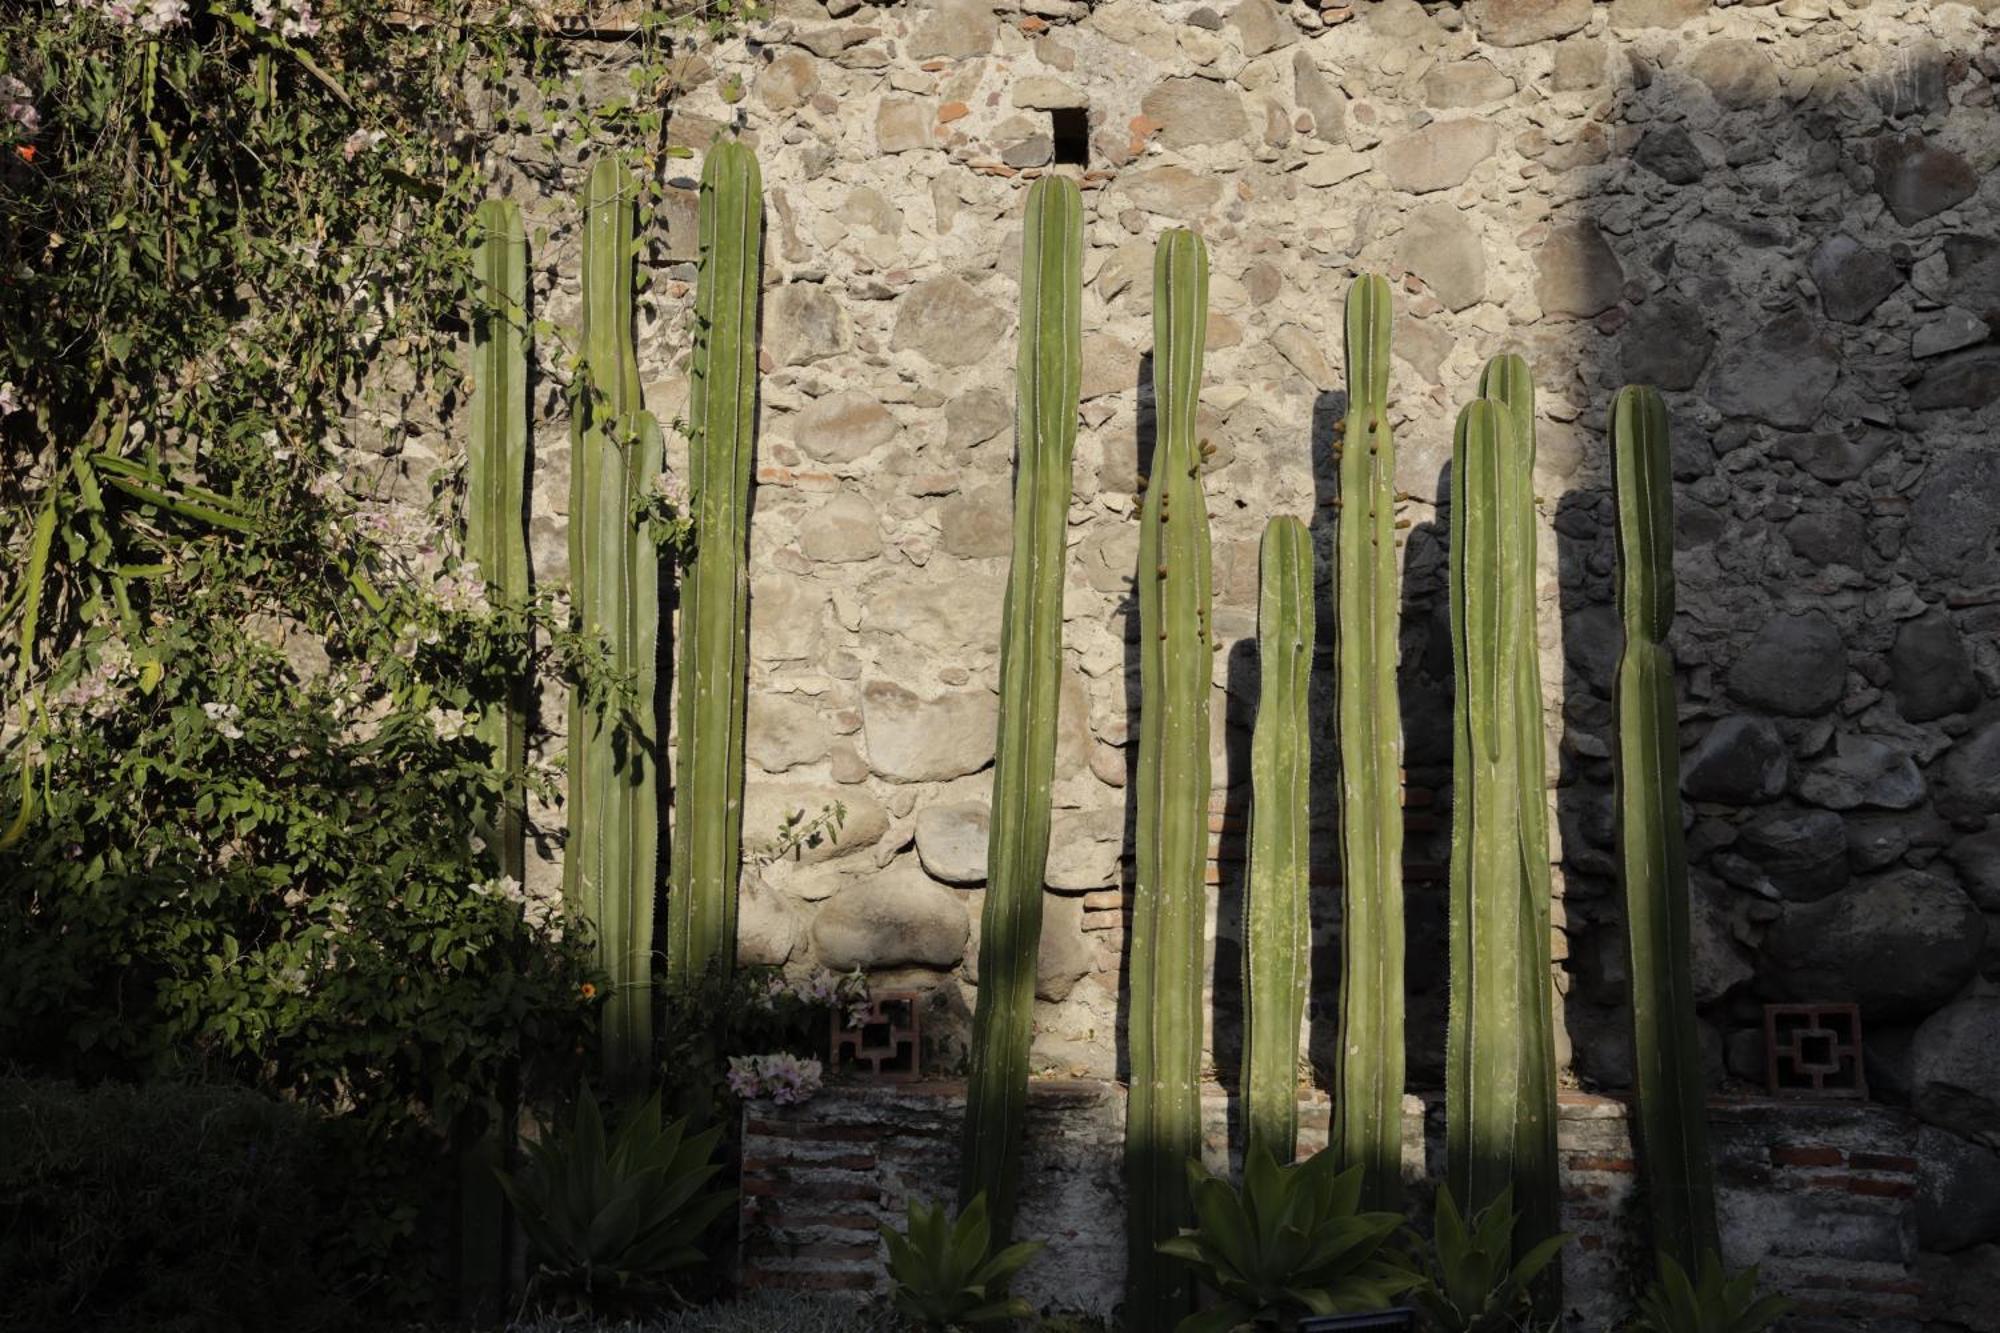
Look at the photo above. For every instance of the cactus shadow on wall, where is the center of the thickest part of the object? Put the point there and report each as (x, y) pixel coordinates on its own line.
(1425, 688)
(1811, 280)
(1232, 858)
(1145, 436)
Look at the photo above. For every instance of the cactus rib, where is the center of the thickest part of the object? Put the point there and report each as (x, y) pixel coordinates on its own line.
(1047, 377)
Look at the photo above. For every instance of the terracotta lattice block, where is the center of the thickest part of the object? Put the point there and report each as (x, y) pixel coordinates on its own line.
(1814, 1050)
(886, 1045)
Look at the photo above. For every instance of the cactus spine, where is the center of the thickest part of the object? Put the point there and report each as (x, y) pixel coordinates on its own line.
(715, 589)
(1674, 1165)
(1277, 929)
(496, 468)
(1163, 1116)
(1368, 1093)
(611, 859)
(1048, 375)
(1500, 1045)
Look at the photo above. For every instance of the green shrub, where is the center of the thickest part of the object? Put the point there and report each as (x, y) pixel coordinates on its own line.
(160, 1209)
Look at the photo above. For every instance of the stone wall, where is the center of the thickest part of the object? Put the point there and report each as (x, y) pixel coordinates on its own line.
(1822, 1198)
(1781, 214)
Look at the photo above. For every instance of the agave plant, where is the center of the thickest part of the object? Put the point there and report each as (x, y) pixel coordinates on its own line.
(1466, 1280)
(1713, 1303)
(1292, 1242)
(941, 1274)
(611, 1220)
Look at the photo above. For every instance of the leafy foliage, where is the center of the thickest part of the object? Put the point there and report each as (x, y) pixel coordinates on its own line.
(942, 1272)
(168, 1209)
(239, 832)
(725, 1012)
(1466, 1280)
(611, 1220)
(1291, 1242)
(1715, 1302)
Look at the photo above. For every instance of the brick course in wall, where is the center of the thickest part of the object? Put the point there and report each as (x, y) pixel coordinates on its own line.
(1821, 1196)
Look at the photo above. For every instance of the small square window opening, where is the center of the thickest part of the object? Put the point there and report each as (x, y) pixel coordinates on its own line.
(1069, 126)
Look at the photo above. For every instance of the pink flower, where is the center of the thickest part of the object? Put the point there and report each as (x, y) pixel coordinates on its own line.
(15, 105)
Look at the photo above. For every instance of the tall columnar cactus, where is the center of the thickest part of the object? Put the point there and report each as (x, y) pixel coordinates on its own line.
(611, 865)
(1277, 927)
(496, 469)
(1500, 1052)
(1368, 1093)
(1048, 374)
(1483, 1058)
(715, 588)
(1674, 1165)
(1163, 1117)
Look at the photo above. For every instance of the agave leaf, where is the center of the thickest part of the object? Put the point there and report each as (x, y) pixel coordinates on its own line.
(1266, 1193)
(1493, 1229)
(634, 1149)
(1346, 1242)
(1224, 1318)
(1452, 1241)
(1736, 1291)
(1539, 1257)
(1370, 1292)
(1002, 1266)
(904, 1265)
(617, 1223)
(1013, 1307)
(1469, 1283)
(1224, 1224)
(1343, 1192)
(971, 1237)
(1762, 1313)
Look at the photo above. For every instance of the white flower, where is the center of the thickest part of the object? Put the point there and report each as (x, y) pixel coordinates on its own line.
(17, 105)
(463, 591)
(163, 14)
(10, 401)
(450, 723)
(360, 142)
(224, 717)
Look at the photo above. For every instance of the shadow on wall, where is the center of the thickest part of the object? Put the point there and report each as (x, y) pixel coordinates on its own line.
(1790, 252)
(1789, 270)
